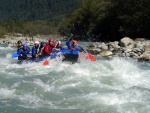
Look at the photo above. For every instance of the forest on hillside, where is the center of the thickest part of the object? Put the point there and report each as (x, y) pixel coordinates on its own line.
(94, 20)
(34, 16)
(30, 10)
(109, 20)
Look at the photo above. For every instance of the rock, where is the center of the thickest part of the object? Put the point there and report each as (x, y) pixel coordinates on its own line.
(114, 45)
(126, 42)
(132, 54)
(92, 45)
(139, 39)
(127, 50)
(94, 51)
(147, 49)
(144, 57)
(104, 47)
(111, 49)
(139, 45)
(137, 50)
(106, 53)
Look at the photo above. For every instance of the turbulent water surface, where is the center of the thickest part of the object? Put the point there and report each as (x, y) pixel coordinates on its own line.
(106, 86)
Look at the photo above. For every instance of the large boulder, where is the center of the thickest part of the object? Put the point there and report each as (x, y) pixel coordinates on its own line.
(114, 45)
(126, 42)
(144, 57)
(94, 51)
(147, 49)
(106, 53)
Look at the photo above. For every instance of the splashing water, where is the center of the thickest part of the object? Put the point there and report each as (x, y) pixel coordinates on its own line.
(105, 86)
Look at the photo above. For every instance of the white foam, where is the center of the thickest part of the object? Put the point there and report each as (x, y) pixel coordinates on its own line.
(43, 85)
(6, 93)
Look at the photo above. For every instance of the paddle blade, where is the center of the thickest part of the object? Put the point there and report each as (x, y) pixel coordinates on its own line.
(15, 56)
(91, 57)
(46, 62)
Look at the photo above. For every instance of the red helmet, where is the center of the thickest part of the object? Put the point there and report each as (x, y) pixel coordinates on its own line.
(75, 41)
(51, 40)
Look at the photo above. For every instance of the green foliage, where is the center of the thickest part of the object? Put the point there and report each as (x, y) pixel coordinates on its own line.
(35, 27)
(2, 31)
(134, 17)
(64, 27)
(40, 27)
(9, 25)
(31, 10)
(34, 16)
(108, 20)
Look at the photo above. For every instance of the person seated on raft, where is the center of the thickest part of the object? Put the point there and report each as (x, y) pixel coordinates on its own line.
(36, 50)
(19, 45)
(73, 45)
(47, 50)
(41, 44)
(23, 52)
(57, 47)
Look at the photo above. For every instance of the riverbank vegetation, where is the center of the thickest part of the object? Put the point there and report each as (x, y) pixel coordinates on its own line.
(94, 20)
(34, 16)
(33, 27)
(109, 20)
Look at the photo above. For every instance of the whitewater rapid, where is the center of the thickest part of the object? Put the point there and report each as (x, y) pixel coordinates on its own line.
(118, 85)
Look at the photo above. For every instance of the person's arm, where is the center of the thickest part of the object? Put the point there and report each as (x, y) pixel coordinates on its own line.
(68, 43)
(78, 48)
(28, 50)
(20, 52)
(58, 44)
(41, 45)
(33, 52)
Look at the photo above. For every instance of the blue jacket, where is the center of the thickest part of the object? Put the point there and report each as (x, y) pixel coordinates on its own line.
(70, 46)
(41, 44)
(36, 50)
(24, 52)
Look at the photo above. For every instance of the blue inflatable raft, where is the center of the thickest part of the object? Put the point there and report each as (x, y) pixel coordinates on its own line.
(68, 55)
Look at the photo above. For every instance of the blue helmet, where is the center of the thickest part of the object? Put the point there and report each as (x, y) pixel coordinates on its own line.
(25, 45)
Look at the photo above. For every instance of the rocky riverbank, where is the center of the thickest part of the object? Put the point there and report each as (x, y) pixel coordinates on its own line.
(11, 39)
(126, 47)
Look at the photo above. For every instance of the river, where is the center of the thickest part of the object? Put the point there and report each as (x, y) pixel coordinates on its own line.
(106, 86)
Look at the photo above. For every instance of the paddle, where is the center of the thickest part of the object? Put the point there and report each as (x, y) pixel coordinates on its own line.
(89, 56)
(15, 56)
(46, 61)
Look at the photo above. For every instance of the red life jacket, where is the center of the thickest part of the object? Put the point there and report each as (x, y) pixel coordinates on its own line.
(47, 49)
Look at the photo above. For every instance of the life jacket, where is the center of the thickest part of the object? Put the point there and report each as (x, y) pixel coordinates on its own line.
(24, 53)
(19, 47)
(47, 49)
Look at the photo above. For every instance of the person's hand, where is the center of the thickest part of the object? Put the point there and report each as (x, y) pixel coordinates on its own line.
(37, 55)
(72, 48)
(59, 42)
(21, 55)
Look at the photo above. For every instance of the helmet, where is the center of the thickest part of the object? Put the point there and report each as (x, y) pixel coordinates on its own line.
(25, 45)
(19, 42)
(36, 42)
(51, 40)
(75, 41)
